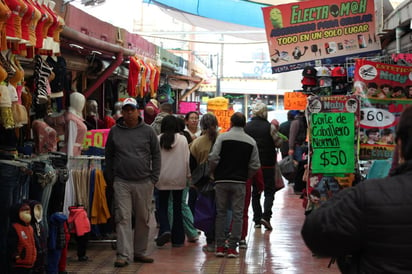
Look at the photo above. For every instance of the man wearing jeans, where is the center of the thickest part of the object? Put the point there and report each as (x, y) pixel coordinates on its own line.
(233, 159)
(132, 167)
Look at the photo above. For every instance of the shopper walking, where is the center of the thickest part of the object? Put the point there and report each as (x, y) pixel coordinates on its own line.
(234, 159)
(261, 131)
(199, 152)
(174, 174)
(370, 221)
(132, 167)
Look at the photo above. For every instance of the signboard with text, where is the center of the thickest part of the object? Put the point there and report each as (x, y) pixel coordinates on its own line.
(333, 134)
(316, 32)
(186, 107)
(96, 138)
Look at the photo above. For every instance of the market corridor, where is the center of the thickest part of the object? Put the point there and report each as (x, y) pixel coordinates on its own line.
(279, 251)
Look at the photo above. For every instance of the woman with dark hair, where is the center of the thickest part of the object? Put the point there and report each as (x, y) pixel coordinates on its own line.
(192, 124)
(199, 152)
(369, 221)
(174, 174)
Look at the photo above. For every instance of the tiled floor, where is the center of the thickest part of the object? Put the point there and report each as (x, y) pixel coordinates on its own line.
(279, 251)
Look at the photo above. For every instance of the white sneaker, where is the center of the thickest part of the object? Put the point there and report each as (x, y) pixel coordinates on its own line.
(242, 244)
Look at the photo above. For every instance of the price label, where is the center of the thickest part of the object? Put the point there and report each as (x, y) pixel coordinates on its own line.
(333, 157)
(375, 117)
(96, 138)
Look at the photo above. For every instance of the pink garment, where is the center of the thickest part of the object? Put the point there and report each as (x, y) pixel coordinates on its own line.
(56, 122)
(45, 137)
(75, 138)
(78, 221)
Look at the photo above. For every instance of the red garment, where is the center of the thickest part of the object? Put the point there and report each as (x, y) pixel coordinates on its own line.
(26, 21)
(13, 23)
(109, 121)
(133, 79)
(258, 179)
(149, 116)
(54, 24)
(78, 221)
(63, 257)
(25, 236)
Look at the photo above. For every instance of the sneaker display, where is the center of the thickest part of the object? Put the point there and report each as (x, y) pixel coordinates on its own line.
(242, 244)
(232, 253)
(220, 251)
(267, 224)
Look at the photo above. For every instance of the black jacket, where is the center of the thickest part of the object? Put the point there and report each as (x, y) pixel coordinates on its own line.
(372, 219)
(259, 129)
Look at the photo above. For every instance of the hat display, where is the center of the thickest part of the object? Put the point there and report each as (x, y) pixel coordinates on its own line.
(308, 81)
(339, 72)
(130, 102)
(260, 110)
(323, 72)
(309, 71)
(325, 82)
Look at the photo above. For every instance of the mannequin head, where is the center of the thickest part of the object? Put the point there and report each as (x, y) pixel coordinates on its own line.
(77, 101)
(91, 108)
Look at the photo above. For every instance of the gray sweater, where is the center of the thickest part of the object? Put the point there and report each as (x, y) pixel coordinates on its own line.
(132, 154)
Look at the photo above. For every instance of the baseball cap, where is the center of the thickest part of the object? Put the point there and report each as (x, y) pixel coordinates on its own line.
(339, 72)
(323, 72)
(309, 71)
(130, 102)
(308, 81)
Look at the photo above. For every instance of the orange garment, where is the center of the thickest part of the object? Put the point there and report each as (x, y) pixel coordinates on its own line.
(5, 13)
(33, 23)
(142, 84)
(100, 211)
(48, 22)
(40, 25)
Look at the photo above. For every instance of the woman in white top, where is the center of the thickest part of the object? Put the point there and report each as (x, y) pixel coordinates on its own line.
(174, 172)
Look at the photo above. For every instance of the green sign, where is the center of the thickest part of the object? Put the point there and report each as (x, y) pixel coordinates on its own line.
(332, 140)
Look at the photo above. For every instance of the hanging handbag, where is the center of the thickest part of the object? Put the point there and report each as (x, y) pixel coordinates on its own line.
(279, 184)
(288, 167)
(205, 212)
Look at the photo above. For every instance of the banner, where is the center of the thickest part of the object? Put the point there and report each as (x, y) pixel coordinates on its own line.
(385, 90)
(311, 33)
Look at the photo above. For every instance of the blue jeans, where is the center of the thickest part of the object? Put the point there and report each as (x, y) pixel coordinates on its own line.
(14, 183)
(229, 194)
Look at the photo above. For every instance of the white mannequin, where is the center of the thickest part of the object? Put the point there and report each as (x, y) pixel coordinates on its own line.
(75, 127)
(77, 101)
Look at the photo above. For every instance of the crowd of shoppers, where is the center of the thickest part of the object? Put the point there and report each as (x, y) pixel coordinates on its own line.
(146, 163)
